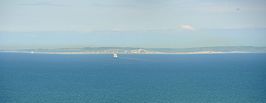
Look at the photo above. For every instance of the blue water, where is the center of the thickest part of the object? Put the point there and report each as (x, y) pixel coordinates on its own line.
(220, 78)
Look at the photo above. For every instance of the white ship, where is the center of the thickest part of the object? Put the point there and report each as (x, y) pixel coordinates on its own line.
(115, 55)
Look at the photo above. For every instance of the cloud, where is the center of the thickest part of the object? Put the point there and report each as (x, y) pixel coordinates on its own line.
(186, 27)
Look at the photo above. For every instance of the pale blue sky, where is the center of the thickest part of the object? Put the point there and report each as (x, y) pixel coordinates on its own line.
(131, 23)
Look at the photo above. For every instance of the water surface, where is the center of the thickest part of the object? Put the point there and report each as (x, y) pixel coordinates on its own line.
(220, 78)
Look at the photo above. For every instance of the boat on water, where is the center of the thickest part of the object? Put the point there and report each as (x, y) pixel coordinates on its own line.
(115, 55)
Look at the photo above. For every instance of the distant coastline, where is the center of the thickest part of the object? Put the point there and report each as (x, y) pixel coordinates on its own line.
(202, 52)
(131, 50)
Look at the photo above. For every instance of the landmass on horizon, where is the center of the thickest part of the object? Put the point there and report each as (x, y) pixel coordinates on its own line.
(134, 50)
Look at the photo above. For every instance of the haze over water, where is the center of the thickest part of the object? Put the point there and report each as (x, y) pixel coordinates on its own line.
(219, 78)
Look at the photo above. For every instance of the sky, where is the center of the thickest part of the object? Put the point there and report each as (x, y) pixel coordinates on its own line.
(131, 23)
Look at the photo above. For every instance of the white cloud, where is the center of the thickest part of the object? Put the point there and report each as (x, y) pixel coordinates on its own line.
(186, 27)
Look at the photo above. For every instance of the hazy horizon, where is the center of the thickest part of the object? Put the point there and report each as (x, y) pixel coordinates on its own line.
(131, 23)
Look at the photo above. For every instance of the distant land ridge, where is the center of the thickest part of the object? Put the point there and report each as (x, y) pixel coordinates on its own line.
(134, 50)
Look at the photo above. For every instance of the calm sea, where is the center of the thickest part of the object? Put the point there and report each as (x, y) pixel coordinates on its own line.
(219, 78)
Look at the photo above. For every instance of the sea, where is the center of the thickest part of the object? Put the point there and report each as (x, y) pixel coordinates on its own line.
(150, 78)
